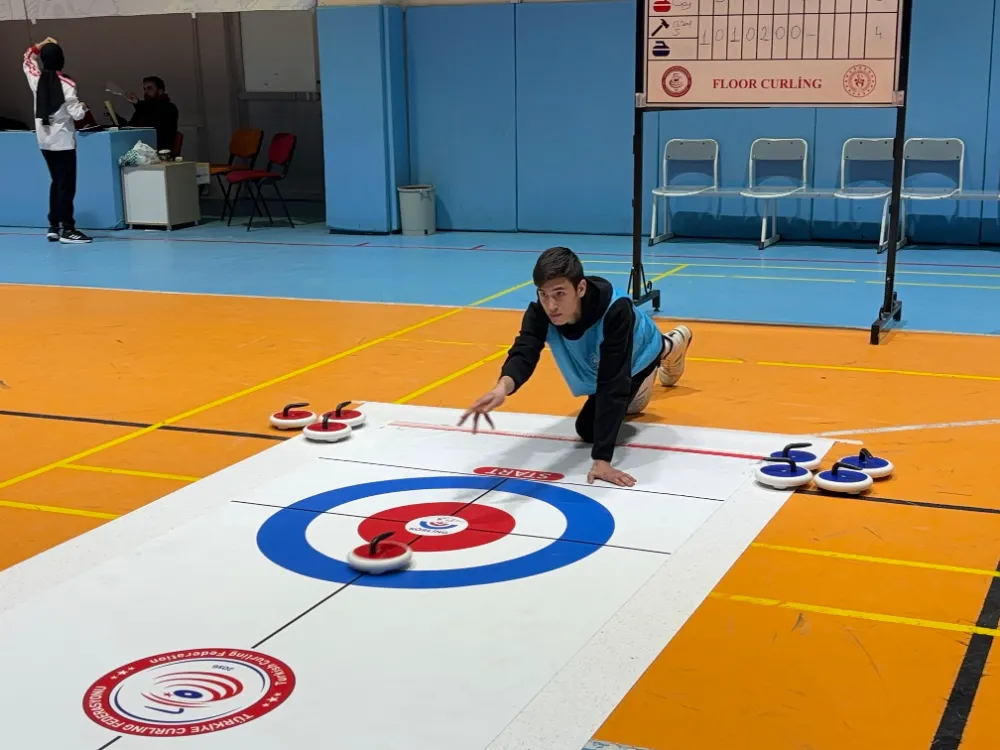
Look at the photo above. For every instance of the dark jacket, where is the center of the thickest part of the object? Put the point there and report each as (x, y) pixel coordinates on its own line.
(159, 113)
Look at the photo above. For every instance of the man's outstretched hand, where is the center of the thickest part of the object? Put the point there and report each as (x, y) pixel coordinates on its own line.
(607, 472)
(484, 405)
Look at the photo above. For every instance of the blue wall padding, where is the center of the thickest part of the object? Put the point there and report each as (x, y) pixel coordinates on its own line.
(462, 112)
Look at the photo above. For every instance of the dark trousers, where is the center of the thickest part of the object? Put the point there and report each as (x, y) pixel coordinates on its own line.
(62, 168)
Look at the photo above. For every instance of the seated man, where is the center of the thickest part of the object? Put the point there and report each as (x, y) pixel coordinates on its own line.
(155, 111)
(605, 348)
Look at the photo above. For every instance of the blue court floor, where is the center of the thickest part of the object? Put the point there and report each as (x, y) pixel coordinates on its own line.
(952, 290)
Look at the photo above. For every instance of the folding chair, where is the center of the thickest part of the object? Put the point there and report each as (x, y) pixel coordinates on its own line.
(244, 144)
(857, 164)
(279, 157)
(683, 154)
(940, 157)
(782, 158)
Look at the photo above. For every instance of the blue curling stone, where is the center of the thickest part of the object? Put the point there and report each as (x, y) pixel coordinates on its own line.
(784, 471)
(873, 466)
(807, 459)
(782, 476)
(850, 482)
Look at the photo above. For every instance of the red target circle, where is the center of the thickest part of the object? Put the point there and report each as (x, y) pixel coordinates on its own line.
(440, 527)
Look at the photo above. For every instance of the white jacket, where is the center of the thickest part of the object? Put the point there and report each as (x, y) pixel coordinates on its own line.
(60, 135)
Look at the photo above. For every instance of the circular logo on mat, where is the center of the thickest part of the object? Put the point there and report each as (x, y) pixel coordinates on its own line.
(185, 693)
(859, 81)
(676, 81)
(437, 525)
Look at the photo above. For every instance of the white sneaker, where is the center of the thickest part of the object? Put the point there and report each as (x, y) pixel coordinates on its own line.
(672, 366)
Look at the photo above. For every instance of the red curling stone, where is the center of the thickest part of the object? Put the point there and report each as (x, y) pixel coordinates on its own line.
(380, 556)
(292, 417)
(327, 430)
(351, 417)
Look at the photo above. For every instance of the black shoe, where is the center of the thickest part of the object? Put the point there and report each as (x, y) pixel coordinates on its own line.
(74, 237)
(53, 234)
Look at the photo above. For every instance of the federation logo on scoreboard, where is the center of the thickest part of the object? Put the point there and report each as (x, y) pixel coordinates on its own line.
(185, 693)
(859, 81)
(676, 81)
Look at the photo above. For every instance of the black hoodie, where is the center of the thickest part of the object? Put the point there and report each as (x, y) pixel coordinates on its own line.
(614, 373)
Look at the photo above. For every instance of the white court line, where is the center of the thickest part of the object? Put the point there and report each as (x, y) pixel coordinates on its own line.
(910, 428)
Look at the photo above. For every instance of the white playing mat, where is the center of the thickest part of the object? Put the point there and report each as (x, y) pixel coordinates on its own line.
(224, 616)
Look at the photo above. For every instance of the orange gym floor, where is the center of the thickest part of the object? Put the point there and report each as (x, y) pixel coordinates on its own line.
(850, 623)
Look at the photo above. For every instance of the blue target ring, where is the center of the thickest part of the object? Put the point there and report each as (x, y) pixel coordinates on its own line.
(589, 525)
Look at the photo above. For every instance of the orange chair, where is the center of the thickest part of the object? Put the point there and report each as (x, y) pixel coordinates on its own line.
(245, 144)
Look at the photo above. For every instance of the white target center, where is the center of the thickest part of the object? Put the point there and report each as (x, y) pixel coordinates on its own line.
(437, 525)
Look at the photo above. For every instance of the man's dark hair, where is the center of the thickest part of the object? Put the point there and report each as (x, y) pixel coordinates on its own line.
(156, 81)
(557, 263)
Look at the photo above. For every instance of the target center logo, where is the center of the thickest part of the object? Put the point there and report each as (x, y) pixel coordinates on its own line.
(189, 692)
(437, 525)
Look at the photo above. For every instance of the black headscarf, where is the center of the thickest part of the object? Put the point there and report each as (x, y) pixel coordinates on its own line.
(49, 97)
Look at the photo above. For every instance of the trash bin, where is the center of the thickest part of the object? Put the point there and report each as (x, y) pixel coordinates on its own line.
(416, 210)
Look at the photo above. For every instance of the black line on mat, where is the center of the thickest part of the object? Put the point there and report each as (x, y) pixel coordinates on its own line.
(970, 673)
(141, 425)
(299, 616)
(481, 531)
(472, 474)
(345, 586)
(897, 501)
(109, 744)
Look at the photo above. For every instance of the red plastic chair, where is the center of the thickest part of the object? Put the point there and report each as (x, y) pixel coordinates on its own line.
(279, 159)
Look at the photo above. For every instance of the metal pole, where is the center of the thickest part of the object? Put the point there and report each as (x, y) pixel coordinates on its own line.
(641, 291)
(892, 306)
(638, 274)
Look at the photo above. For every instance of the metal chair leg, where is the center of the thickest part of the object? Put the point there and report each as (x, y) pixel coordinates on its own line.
(283, 204)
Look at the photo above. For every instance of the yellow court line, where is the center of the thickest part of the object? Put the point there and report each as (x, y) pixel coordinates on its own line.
(131, 472)
(846, 368)
(875, 616)
(508, 290)
(454, 343)
(506, 347)
(253, 389)
(54, 509)
(671, 272)
(879, 560)
(448, 378)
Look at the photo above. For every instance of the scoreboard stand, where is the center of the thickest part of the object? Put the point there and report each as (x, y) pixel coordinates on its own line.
(694, 54)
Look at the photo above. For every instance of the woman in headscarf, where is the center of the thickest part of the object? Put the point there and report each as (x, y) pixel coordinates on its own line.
(56, 110)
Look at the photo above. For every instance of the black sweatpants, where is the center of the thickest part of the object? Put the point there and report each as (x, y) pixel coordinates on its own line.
(62, 168)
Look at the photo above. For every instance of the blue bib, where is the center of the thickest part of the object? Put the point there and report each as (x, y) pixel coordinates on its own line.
(579, 360)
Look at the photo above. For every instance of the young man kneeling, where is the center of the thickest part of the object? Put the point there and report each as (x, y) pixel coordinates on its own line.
(605, 348)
